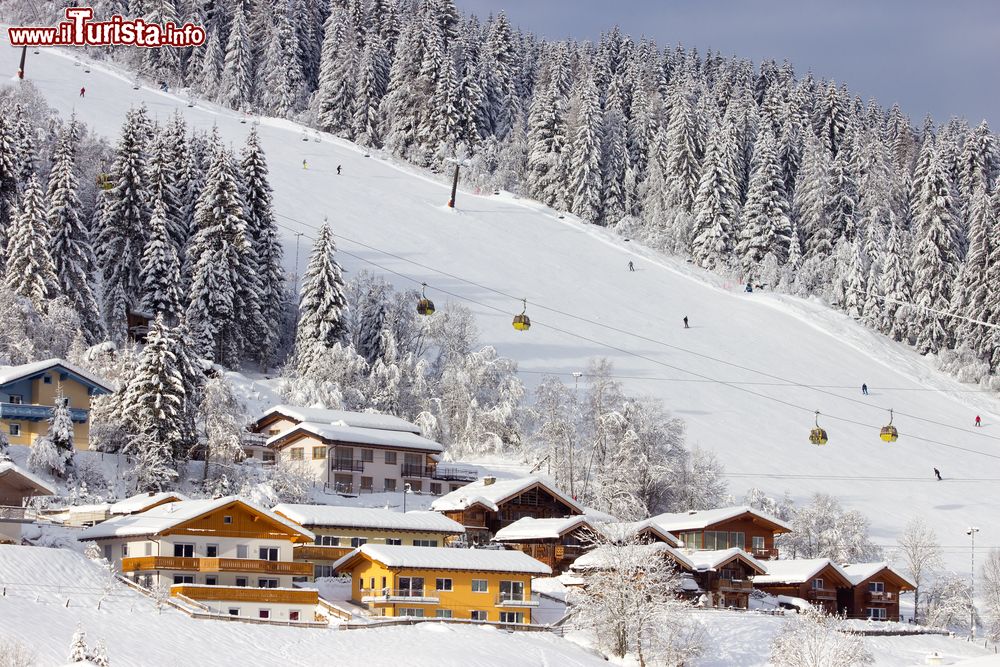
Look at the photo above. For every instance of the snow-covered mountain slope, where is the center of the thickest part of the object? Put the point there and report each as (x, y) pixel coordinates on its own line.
(782, 357)
(50, 591)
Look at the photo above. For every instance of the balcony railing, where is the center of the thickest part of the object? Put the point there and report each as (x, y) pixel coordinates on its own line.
(451, 473)
(18, 514)
(320, 552)
(304, 596)
(735, 585)
(414, 596)
(880, 596)
(349, 466)
(146, 563)
(411, 470)
(254, 439)
(821, 594)
(37, 412)
(766, 554)
(507, 600)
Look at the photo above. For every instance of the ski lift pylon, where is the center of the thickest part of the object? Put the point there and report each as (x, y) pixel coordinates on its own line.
(522, 322)
(818, 436)
(889, 432)
(425, 306)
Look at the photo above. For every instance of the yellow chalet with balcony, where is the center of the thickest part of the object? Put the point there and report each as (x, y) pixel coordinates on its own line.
(225, 556)
(425, 582)
(339, 530)
(28, 394)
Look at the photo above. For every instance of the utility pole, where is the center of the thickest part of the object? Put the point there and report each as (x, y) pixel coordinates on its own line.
(295, 285)
(576, 398)
(971, 532)
(24, 55)
(454, 182)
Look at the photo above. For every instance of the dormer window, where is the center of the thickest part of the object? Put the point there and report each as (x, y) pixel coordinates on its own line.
(227, 519)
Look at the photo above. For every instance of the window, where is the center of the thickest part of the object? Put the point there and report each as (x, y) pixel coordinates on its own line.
(269, 456)
(367, 484)
(512, 590)
(480, 586)
(817, 584)
(358, 541)
(234, 611)
(319, 453)
(14, 399)
(47, 379)
(389, 485)
(183, 578)
(268, 553)
(296, 455)
(148, 548)
(328, 540)
(15, 429)
(435, 489)
(418, 613)
(393, 541)
(691, 540)
(293, 614)
(322, 571)
(211, 580)
(227, 519)
(425, 543)
(876, 613)
(390, 458)
(241, 582)
(416, 487)
(212, 551)
(721, 539)
(300, 580)
(267, 582)
(512, 617)
(411, 587)
(478, 615)
(367, 455)
(876, 587)
(183, 551)
(125, 550)
(273, 431)
(443, 613)
(443, 585)
(107, 552)
(264, 613)
(371, 583)
(242, 550)
(758, 543)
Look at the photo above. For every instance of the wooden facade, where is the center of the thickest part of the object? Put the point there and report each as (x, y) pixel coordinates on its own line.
(748, 530)
(875, 593)
(827, 588)
(726, 581)
(555, 542)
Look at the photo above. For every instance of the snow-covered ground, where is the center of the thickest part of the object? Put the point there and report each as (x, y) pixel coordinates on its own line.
(781, 357)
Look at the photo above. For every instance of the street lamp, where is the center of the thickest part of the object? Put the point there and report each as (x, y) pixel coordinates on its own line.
(406, 490)
(971, 532)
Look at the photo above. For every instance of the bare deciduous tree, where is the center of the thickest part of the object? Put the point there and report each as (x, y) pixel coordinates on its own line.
(920, 554)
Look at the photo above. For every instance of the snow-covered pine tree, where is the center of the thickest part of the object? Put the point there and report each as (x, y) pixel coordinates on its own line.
(979, 163)
(322, 307)
(9, 178)
(842, 203)
(163, 63)
(974, 293)
(685, 145)
(177, 153)
(61, 428)
(216, 254)
(281, 68)
(78, 646)
(372, 81)
(30, 271)
(766, 226)
(498, 70)
(161, 269)
(213, 60)
(337, 74)
(716, 204)
(935, 260)
(164, 173)
(585, 156)
(124, 223)
(70, 248)
(236, 83)
(831, 123)
(547, 145)
(811, 193)
(262, 230)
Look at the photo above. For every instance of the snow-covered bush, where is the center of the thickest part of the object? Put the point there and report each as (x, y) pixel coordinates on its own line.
(15, 654)
(46, 458)
(812, 639)
(991, 593)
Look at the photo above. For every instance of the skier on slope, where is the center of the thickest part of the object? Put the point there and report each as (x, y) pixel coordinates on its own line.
(864, 389)
(83, 92)
(338, 170)
(631, 266)
(686, 322)
(938, 473)
(979, 422)
(305, 165)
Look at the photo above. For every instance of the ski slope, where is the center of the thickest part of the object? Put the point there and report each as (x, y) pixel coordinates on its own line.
(775, 343)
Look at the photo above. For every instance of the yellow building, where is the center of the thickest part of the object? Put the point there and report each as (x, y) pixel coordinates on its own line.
(28, 395)
(339, 530)
(473, 584)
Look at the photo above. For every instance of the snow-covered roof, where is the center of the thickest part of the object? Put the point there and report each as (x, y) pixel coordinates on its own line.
(606, 556)
(492, 494)
(796, 570)
(713, 559)
(10, 472)
(362, 436)
(341, 418)
(445, 558)
(10, 374)
(859, 572)
(336, 516)
(530, 528)
(695, 520)
(652, 525)
(164, 517)
(142, 501)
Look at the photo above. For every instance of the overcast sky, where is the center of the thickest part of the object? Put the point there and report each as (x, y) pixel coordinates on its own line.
(931, 56)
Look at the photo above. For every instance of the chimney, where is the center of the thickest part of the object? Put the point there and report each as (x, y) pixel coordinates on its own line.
(150, 494)
(692, 512)
(487, 481)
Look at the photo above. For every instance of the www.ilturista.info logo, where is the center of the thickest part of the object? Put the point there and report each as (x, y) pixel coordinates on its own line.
(79, 30)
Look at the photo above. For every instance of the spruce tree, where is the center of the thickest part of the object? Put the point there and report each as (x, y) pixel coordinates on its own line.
(684, 147)
(30, 272)
(766, 225)
(323, 305)
(811, 193)
(547, 143)
(236, 84)
(716, 203)
(8, 180)
(337, 74)
(281, 68)
(213, 60)
(585, 166)
(161, 270)
(372, 81)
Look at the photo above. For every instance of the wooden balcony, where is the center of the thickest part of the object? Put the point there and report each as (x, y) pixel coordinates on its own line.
(302, 596)
(883, 597)
(320, 552)
(821, 594)
(738, 585)
(765, 554)
(240, 565)
(14, 514)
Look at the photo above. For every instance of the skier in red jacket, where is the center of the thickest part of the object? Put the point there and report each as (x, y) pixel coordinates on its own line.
(83, 92)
